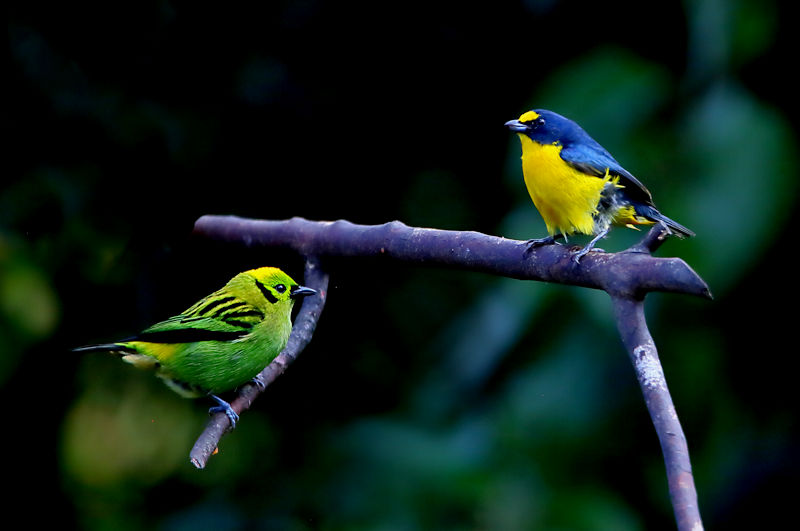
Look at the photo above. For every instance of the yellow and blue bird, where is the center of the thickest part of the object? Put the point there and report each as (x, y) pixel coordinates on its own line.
(576, 185)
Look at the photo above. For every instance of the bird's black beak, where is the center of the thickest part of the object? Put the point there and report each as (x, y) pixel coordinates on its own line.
(298, 292)
(516, 126)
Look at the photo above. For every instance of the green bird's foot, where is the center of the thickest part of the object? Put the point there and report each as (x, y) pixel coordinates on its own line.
(226, 408)
(259, 382)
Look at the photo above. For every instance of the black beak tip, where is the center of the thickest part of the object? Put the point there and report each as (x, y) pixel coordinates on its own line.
(299, 292)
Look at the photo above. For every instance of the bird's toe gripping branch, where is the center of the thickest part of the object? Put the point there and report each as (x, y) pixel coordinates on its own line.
(538, 242)
(224, 407)
(589, 246)
(258, 382)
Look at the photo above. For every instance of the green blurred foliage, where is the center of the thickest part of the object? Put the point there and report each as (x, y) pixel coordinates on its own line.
(429, 399)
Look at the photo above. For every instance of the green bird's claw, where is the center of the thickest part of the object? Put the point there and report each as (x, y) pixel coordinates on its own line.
(226, 408)
(259, 382)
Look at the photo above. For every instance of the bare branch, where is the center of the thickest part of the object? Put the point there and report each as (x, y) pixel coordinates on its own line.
(304, 325)
(626, 276)
(642, 351)
(632, 272)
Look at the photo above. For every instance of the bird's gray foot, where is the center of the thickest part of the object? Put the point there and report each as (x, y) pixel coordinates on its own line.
(576, 257)
(259, 382)
(226, 408)
(538, 242)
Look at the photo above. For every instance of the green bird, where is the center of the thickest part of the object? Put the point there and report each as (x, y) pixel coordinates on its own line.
(222, 341)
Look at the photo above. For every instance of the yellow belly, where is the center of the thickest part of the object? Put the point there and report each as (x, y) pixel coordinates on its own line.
(566, 198)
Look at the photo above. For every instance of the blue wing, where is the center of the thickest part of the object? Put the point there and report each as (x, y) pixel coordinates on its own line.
(592, 159)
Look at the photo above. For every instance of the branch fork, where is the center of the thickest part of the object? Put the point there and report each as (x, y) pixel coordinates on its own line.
(626, 276)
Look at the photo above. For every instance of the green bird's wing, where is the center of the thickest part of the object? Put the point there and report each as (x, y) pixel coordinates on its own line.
(177, 330)
(216, 318)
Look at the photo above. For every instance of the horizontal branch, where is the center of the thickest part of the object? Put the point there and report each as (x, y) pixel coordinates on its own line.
(633, 272)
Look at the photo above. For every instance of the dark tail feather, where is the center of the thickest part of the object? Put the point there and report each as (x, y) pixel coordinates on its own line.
(655, 215)
(106, 347)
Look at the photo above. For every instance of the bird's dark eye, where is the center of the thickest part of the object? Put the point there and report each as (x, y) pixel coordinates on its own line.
(280, 288)
(539, 122)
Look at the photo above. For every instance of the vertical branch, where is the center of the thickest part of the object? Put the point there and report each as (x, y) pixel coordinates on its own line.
(638, 342)
(304, 325)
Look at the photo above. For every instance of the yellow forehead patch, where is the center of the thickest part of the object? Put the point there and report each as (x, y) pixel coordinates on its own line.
(269, 275)
(529, 116)
(262, 272)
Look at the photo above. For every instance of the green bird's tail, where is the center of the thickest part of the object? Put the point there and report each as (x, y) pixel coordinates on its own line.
(115, 348)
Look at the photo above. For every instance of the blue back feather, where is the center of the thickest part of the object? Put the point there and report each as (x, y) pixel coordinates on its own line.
(586, 154)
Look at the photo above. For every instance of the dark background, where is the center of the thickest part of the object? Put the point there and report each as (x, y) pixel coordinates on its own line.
(429, 399)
